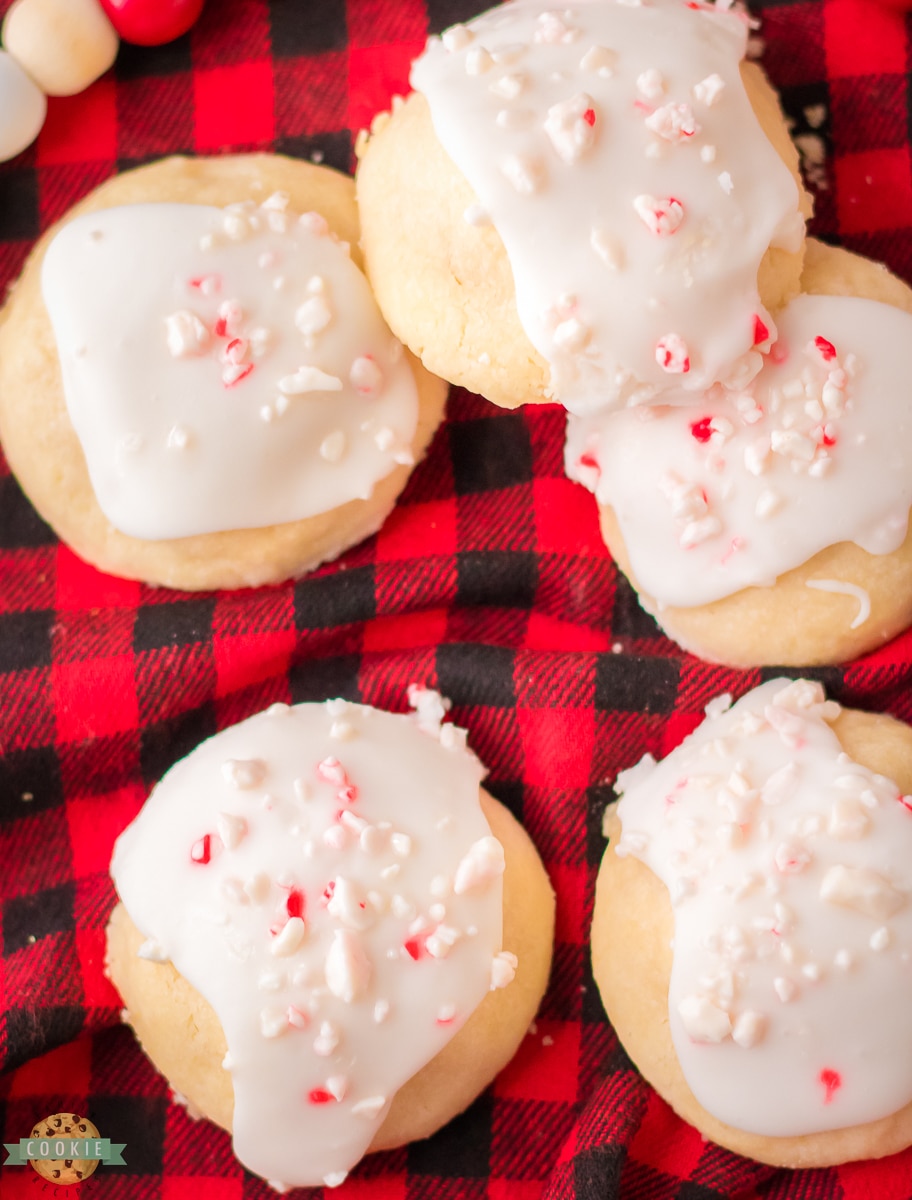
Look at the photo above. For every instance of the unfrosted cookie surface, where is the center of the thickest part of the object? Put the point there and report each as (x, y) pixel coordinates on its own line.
(772, 852)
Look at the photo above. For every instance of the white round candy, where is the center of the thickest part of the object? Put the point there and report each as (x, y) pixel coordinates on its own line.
(22, 108)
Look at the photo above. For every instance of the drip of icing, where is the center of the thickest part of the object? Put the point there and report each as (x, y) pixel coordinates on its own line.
(616, 152)
(326, 931)
(223, 368)
(840, 588)
(788, 869)
(736, 491)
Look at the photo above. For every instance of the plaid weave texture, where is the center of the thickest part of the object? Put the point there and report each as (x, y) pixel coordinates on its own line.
(489, 582)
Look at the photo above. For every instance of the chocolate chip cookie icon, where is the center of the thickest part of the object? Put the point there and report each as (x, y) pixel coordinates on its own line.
(64, 1129)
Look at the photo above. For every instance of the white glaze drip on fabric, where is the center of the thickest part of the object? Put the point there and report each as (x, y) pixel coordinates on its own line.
(788, 868)
(572, 129)
(732, 492)
(364, 817)
(187, 430)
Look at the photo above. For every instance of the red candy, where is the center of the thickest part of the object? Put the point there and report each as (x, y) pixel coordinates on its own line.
(702, 429)
(201, 850)
(832, 1082)
(152, 22)
(294, 905)
(761, 333)
(320, 1096)
(827, 349)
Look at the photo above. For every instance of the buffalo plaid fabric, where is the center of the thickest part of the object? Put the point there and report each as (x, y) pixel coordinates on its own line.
(489, 582)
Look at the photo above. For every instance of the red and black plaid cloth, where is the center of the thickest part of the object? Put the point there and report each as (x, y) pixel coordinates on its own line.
(488, 582)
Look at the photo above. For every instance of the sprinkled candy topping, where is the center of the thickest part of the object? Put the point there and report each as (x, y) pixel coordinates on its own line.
(792, 941)
(615, 127)
(223, 368)
(304, 946)
(812, 452)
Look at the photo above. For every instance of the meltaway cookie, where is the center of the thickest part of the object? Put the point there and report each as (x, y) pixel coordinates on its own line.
(588, 205)
(196, 386)
(770, 526)
(329, 940)
(752, 932)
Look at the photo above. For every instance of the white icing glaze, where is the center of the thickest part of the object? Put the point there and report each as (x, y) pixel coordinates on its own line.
(614, 148)
(325, 928)
(22, 108)
(223, 369)
(788, 869)
(736, 490)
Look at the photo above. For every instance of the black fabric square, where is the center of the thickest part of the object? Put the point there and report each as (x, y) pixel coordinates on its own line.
(28, 918)
(180, 623)
(629, 619)
(511, 795)
(624, 683)
(166, 742)
(33, 773)
(330, 149)
(597, 1173)
(19, 219)
(496, 577)
(326, 679)
(311, 28)
(696, 1191)
(20, 526)
(444, 13)
(333, 600)
(34, 1031)
(172, 58)
(461, 1149)
(137, 1121)
(491, 453)
(597, 800)
(25, 640)
(470, 674)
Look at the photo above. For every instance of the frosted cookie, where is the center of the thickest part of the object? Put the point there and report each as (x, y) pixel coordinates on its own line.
(772, 851)
(770, 526)
(589, 205)
(352, 939)
(196, 387)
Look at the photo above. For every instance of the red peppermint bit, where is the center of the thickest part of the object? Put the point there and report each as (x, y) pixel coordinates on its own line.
(220, 329)
(294, 905)
(446, 1020)
(348, 794)
(328, 893)
(236, 349)
(589, 116)
(702, 430)
(588, 460)
(832, 1082)
(906, 802)
(734, 545)
(414, 948)
(213, 282)
(761, 333)
(643, 107)
(245, 369)
(827, 349)
(330, 770)
(201, 851)
(296, 1018)
(320, 1096)
(827, 439)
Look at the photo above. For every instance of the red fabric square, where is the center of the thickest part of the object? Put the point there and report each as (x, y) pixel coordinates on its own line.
(377, 21)
(864, 38)
(664, 1141)
(95, 697)
(376, 74)
(82, 586)
(95, 824)
(199, 1187)
(545, 1066)
(234, 107)
(893, 1175)
(81, 127)
(413, 530)
(90, 952)
(66, 1069)
(566, 519)
(373, 1189)
(550, 633)
(875, 190)
(405, 632)
(557, 744)
(243, 661)
(573, 917)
